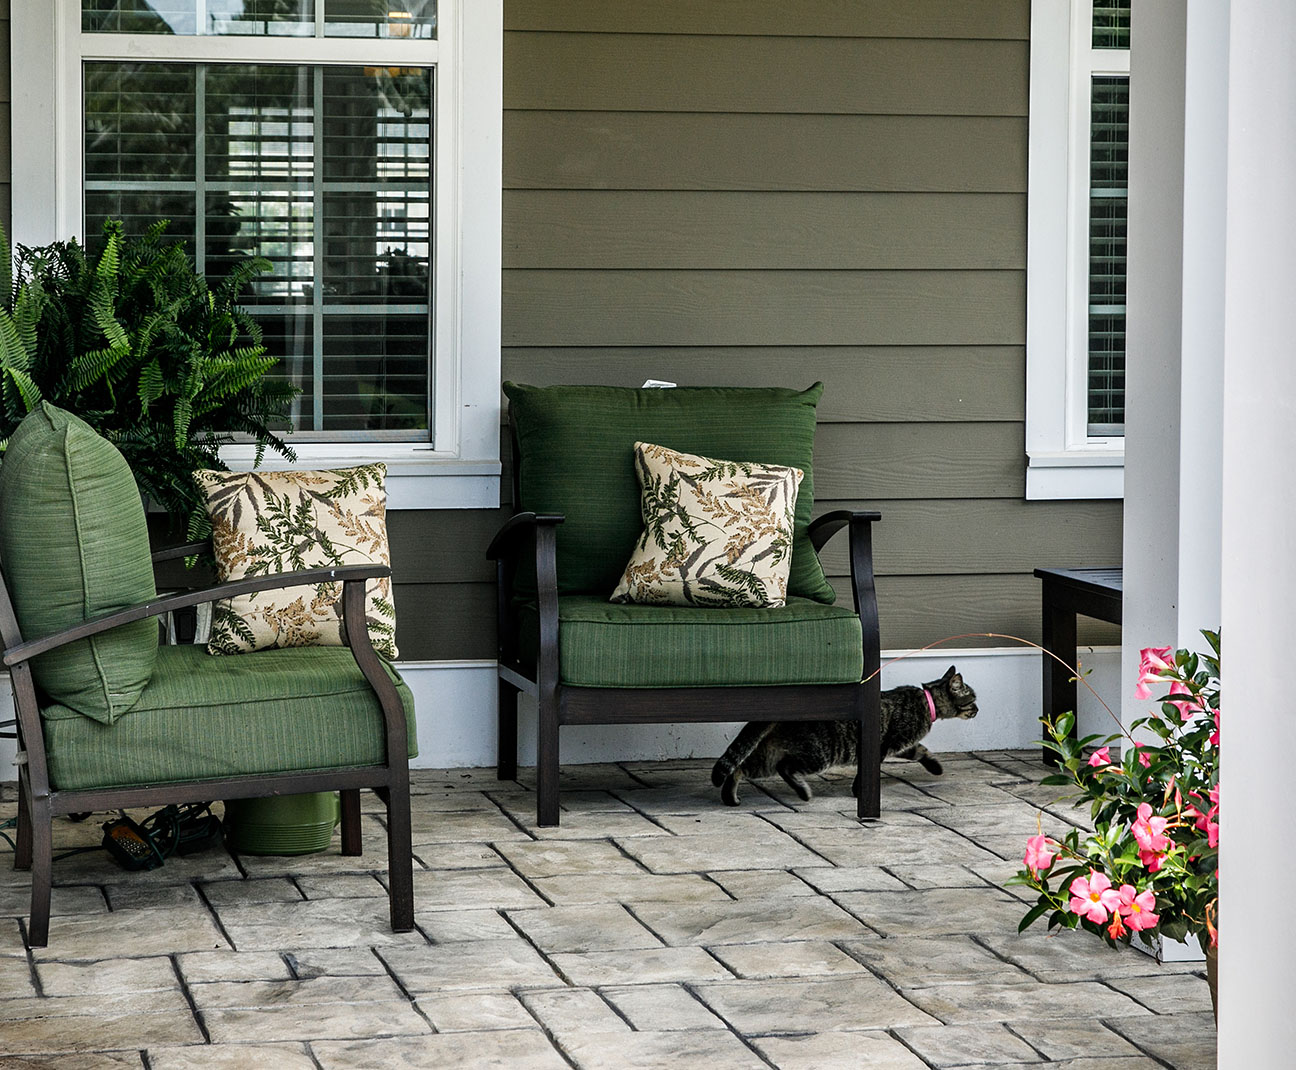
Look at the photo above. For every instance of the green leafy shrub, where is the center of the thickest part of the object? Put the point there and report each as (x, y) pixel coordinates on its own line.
(138, 345)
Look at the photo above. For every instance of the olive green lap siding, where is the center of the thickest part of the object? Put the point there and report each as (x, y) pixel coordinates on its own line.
(577, 448)
(203, 717)
(613, 645)
(75, 545)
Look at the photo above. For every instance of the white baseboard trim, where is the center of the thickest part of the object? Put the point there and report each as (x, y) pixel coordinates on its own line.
(456, 703)
(457, 710)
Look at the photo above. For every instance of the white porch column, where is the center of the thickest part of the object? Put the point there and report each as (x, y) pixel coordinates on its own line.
(1258, 872)
(1154, 288)
(1174, 335)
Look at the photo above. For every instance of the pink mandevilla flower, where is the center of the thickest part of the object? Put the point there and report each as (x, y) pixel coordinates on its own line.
(1039, 855)
(1148, 829)
(1151, 860)
(1094, 898)
(1149, 832)
(1144, 760)
(1137, 907)
(1186, 709)
(1151, 661)
(1100, 757)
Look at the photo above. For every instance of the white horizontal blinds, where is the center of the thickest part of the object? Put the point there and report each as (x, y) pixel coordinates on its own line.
(263, 18)
(1108, 213)
(325, 171)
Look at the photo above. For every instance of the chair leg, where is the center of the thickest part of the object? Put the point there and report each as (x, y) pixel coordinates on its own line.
(869, 776)
(547, 761)
(351, 835)
(42, 852)
(400, 858)
(508, 732)
(23, 842)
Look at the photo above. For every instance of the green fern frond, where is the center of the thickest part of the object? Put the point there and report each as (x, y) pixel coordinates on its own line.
(181, 420)
(150, 385)
(27, 308)
(26, 387)
(13, 354)
(7, 295)
(93, 366)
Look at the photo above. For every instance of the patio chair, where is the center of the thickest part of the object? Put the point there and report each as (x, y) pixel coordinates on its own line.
(578, 517)
(108, 719)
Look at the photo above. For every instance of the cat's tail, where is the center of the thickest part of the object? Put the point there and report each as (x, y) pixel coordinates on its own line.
(746, 741)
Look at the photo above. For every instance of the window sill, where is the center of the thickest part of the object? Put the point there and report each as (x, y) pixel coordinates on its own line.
(417, 477)
(1075, 475)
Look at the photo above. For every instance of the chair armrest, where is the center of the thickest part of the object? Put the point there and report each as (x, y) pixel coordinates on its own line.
(540, 530)
(157, 606)
(863, 585)
(171, 553)
(826, 526)
(518, 529)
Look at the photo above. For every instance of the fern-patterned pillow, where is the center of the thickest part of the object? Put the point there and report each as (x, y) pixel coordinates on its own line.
(716, 533)
(268, 522)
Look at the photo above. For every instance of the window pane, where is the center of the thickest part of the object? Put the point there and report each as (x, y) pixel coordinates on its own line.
(404, 19)
(375, 372)
(139, 122)
(260, 18)
(1111, 23)
(380, 18)
(323, 171)
(1108, 201)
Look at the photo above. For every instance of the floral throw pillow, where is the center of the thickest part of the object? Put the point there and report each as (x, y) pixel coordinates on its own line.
(268, 522)
(716, 533)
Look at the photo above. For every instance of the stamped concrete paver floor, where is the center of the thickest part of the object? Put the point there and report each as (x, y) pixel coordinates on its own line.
(655, 927)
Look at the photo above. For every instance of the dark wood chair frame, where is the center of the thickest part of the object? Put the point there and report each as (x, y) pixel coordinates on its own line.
(559, 704)
(38, 803)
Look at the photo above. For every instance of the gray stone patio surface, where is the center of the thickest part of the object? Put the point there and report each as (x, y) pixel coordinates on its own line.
(655, 928)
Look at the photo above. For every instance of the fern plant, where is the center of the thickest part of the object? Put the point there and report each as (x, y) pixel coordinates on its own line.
(141, 347)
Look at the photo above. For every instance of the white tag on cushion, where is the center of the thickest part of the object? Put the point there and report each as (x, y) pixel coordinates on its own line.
(716, 533)
(269, 522)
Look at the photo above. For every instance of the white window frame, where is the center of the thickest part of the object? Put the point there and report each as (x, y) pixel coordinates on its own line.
(1063, 460)
(460, 467)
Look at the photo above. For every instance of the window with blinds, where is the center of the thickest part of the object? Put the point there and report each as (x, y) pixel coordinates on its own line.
(324, 170)
(1108, 212)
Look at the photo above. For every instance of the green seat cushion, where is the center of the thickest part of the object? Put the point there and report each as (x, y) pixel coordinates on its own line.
(202, 717)
(74, 545)
(605, 644)
(576, 447)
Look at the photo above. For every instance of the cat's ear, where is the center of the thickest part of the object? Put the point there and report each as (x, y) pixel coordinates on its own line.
(950, 673)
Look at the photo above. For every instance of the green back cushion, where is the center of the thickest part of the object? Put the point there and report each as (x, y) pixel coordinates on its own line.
(73, 545)
(576, 447)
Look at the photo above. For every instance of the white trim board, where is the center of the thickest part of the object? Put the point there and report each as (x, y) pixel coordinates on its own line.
(456, 703)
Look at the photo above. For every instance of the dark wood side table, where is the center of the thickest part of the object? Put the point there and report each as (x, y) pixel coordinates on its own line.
(1068, 593)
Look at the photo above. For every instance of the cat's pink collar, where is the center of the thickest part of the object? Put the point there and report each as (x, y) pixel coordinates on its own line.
(931, 704)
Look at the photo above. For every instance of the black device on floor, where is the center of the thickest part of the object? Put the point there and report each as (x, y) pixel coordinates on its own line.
(178, 830)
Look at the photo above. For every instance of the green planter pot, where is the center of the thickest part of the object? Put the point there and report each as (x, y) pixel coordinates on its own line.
(282, 824)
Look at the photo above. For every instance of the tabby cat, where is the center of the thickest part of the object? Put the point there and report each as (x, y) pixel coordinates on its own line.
(793, 749)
